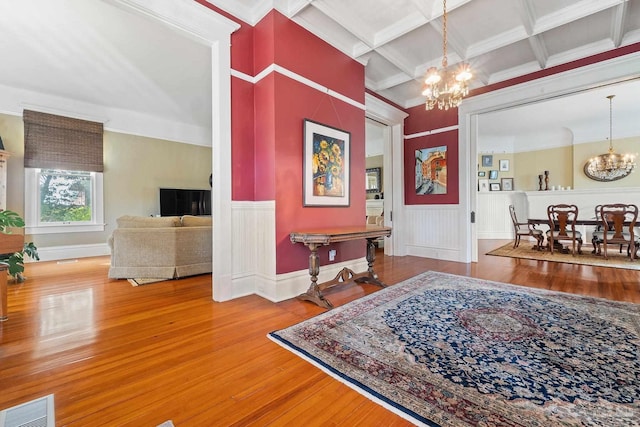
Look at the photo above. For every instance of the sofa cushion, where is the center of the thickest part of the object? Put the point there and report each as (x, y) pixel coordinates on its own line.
(195, 221)
(131, 221)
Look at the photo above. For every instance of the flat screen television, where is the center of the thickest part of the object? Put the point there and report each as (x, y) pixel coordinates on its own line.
(177, 202)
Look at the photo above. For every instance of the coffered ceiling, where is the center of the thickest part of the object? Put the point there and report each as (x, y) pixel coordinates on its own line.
(398, 40)
(94, 57)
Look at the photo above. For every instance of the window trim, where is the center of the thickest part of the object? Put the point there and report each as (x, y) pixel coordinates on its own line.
(31, 207)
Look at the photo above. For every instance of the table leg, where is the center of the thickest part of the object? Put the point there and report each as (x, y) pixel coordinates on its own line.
(371, 277)
(313, 293)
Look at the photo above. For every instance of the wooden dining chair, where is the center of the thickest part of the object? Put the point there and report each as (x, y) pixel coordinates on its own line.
(562, 226)
(598, 234)
(618, 221)
(524, 229)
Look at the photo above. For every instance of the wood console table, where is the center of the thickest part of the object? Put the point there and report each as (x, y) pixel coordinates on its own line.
(313, 239)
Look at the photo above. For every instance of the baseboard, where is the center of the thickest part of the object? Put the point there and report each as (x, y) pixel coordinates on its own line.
(55, 253)
(289, 285)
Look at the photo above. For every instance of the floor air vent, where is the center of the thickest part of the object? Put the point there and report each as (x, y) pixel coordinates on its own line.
(37, 413)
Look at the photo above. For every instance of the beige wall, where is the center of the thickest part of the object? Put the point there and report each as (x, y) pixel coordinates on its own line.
(565, 166)
(558, 161)
(496, 166)
(135, 168)
(584, 152)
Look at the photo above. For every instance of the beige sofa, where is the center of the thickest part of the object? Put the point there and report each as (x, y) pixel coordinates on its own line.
(160, 247)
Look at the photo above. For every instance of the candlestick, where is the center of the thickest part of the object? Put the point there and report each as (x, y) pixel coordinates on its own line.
(546, 180)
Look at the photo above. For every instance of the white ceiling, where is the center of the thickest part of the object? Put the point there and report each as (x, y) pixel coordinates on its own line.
(90, 53)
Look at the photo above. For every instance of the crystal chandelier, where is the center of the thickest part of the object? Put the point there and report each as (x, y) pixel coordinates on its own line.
(610, 166)
(446, 89)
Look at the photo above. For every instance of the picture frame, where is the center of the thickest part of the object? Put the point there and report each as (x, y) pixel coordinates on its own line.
(373, 180)
(431, 171)
(494, 186)
(493, 174)
(438, 196)
(487, 160)
(504, 165)
(481, 173)
(326, 165)
(483, 185)
(506, 184)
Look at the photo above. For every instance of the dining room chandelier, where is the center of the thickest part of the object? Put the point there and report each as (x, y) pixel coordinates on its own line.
(610, 166)
(445, 89)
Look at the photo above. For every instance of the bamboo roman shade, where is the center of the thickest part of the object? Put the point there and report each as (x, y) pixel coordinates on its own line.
(57, 142)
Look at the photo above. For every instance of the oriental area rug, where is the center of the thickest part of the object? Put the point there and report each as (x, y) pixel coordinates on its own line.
(525, 251)
(446, 350)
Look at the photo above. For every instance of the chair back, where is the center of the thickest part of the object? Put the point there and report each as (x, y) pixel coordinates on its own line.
(562, 219)
(598, 216)
(514, 218)
(614, 217)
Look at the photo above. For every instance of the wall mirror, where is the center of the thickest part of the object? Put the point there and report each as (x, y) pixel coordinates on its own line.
(373, 180)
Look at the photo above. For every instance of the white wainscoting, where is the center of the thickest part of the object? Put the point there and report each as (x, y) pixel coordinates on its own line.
(254, 256)
(493, 219)
(434, 231)
(253, 246)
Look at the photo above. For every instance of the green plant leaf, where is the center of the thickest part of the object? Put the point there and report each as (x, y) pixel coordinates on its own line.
(10, 219)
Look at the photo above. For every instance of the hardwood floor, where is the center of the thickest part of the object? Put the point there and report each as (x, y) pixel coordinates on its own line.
(118, 355)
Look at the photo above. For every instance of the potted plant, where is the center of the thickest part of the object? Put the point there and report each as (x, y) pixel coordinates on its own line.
(13, 246)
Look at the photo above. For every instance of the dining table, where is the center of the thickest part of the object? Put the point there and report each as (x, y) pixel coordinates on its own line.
(584, 221)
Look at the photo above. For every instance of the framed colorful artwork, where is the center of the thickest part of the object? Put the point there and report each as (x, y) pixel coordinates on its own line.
(326, 168)
(431, 170)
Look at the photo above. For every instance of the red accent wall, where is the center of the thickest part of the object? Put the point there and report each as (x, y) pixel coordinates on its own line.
(299, 51)
(266, 148)
(297, 102)
(242, 140)
(450, 140)
(280, 106)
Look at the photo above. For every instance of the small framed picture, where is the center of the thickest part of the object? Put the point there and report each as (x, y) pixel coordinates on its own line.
(483, 185)
(487, 160)
(493, 174)
(504, 165)
(507, 184)
(495, 186)
(481, 173)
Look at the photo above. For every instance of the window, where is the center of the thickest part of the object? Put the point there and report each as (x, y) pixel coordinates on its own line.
(63, 174)
(62, 201)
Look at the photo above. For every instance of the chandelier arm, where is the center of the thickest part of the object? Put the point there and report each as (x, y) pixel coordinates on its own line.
(444, 34)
